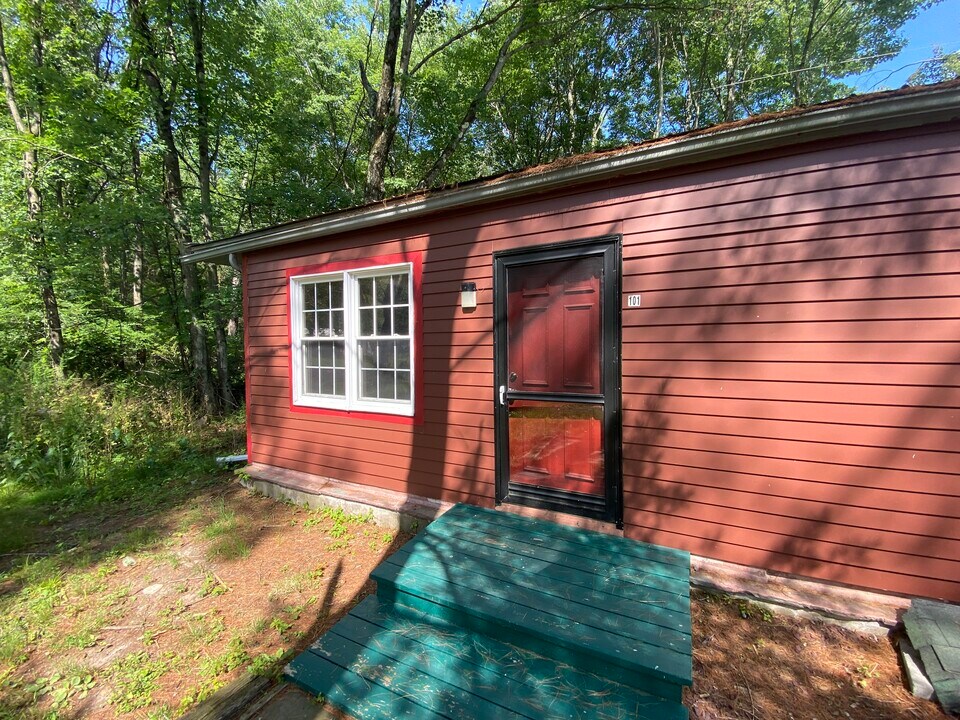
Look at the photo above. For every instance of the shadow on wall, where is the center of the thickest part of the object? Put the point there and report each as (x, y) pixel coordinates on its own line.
(784, 405)
(792, 412)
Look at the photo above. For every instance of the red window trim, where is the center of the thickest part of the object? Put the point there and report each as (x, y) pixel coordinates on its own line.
(416, 261)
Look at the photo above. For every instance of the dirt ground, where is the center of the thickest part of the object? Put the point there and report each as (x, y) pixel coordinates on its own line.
(751, 664)
(230, 583)
(162, 615)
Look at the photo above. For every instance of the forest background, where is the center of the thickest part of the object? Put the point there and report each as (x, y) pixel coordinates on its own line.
(134, 128)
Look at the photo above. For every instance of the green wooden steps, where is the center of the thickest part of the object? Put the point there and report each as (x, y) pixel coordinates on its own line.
(490, 615)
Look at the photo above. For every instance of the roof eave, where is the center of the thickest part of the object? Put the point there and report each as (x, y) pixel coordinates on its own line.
(884, 113)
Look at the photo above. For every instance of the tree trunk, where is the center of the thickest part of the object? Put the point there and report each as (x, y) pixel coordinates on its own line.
(29, 123)
(147, 57)
(220, 336)
(659, 64)
(196, 11)
(383, 126)
(136, 294)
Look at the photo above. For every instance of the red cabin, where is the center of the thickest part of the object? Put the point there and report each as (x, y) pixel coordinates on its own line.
(742, 342)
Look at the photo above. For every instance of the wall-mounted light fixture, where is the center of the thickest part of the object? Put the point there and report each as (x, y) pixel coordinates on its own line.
(468, 296)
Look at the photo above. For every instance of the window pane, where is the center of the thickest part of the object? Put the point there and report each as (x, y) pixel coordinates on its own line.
(338, 355)
(336, 294)
(326, 354)
(323, 323)
(387, 385)
(368, 354)
(401, 291)
(323, 295)
(368, 384)
(337, 319)
(326, 382)
(403, 385)
(383, 290)
(310, 354)
(309, 301)
(387, 349)
(339, 382)
(403, 354)
(401, 321)
(309, 324)
(311, 381)
(366, 291)
(366, 322)
(383, 321)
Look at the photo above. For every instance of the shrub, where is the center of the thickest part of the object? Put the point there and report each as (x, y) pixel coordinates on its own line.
(65, 431)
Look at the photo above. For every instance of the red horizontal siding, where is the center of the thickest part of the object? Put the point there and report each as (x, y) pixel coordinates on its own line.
(791, 379)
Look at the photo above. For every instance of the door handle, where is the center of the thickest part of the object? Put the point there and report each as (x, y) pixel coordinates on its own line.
(503, 394)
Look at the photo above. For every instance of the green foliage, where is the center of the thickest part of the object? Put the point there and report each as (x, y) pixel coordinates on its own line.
(135, 678)
(941, 68)
(268, 664)
(62, 690)
(69, 446)
(288, 107)
(84, 442)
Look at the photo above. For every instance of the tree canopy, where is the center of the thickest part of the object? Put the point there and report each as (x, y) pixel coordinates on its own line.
(135, 127)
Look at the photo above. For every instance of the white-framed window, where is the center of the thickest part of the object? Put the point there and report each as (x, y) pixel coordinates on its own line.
(352, 339)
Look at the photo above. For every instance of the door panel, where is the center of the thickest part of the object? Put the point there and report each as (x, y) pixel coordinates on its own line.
(557, 445)
(553, 326)
(554, 330)
(557, 357)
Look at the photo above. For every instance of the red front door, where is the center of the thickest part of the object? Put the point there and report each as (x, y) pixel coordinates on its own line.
(554, 365)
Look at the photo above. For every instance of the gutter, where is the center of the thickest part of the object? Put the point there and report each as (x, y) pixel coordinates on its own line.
(893, 112)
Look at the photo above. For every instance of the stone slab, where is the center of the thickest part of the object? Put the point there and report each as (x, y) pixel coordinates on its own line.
(390, 509)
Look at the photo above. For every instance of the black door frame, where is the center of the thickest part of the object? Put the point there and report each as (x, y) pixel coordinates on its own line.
(609, 507)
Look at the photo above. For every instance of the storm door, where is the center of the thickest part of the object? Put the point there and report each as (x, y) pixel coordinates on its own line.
(557, 378)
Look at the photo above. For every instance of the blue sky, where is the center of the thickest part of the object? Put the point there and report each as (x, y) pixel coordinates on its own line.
(938, 25)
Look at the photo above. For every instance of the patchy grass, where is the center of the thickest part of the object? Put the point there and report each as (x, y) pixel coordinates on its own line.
(156, 614)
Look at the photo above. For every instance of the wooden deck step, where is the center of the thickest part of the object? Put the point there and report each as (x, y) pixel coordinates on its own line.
(491, 615)
(627, 607)
(380, 662)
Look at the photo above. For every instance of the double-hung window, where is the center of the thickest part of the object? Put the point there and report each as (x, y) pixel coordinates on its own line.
(352, 340)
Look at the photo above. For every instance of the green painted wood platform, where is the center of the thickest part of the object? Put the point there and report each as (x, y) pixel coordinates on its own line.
(934, 629)
(490, 615)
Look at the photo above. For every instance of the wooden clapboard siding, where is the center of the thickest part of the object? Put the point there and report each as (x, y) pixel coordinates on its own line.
(791, 379)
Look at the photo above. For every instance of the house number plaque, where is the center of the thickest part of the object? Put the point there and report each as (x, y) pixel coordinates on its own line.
(633, 300)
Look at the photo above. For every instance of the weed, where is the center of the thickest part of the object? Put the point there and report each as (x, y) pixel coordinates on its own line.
(296, 583)
(231, 658)
(14, 638)
(230, 547)
(137, 539)
(259, 625)
(212, 586)
(163, 713)
(224, 522)
(61, 689)
(224, 532)
(267, 664)
(136, 677)
(750, 610)
(280, 626)
(84, 637)
(204, 629)
(84, 585)
(866, 672)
